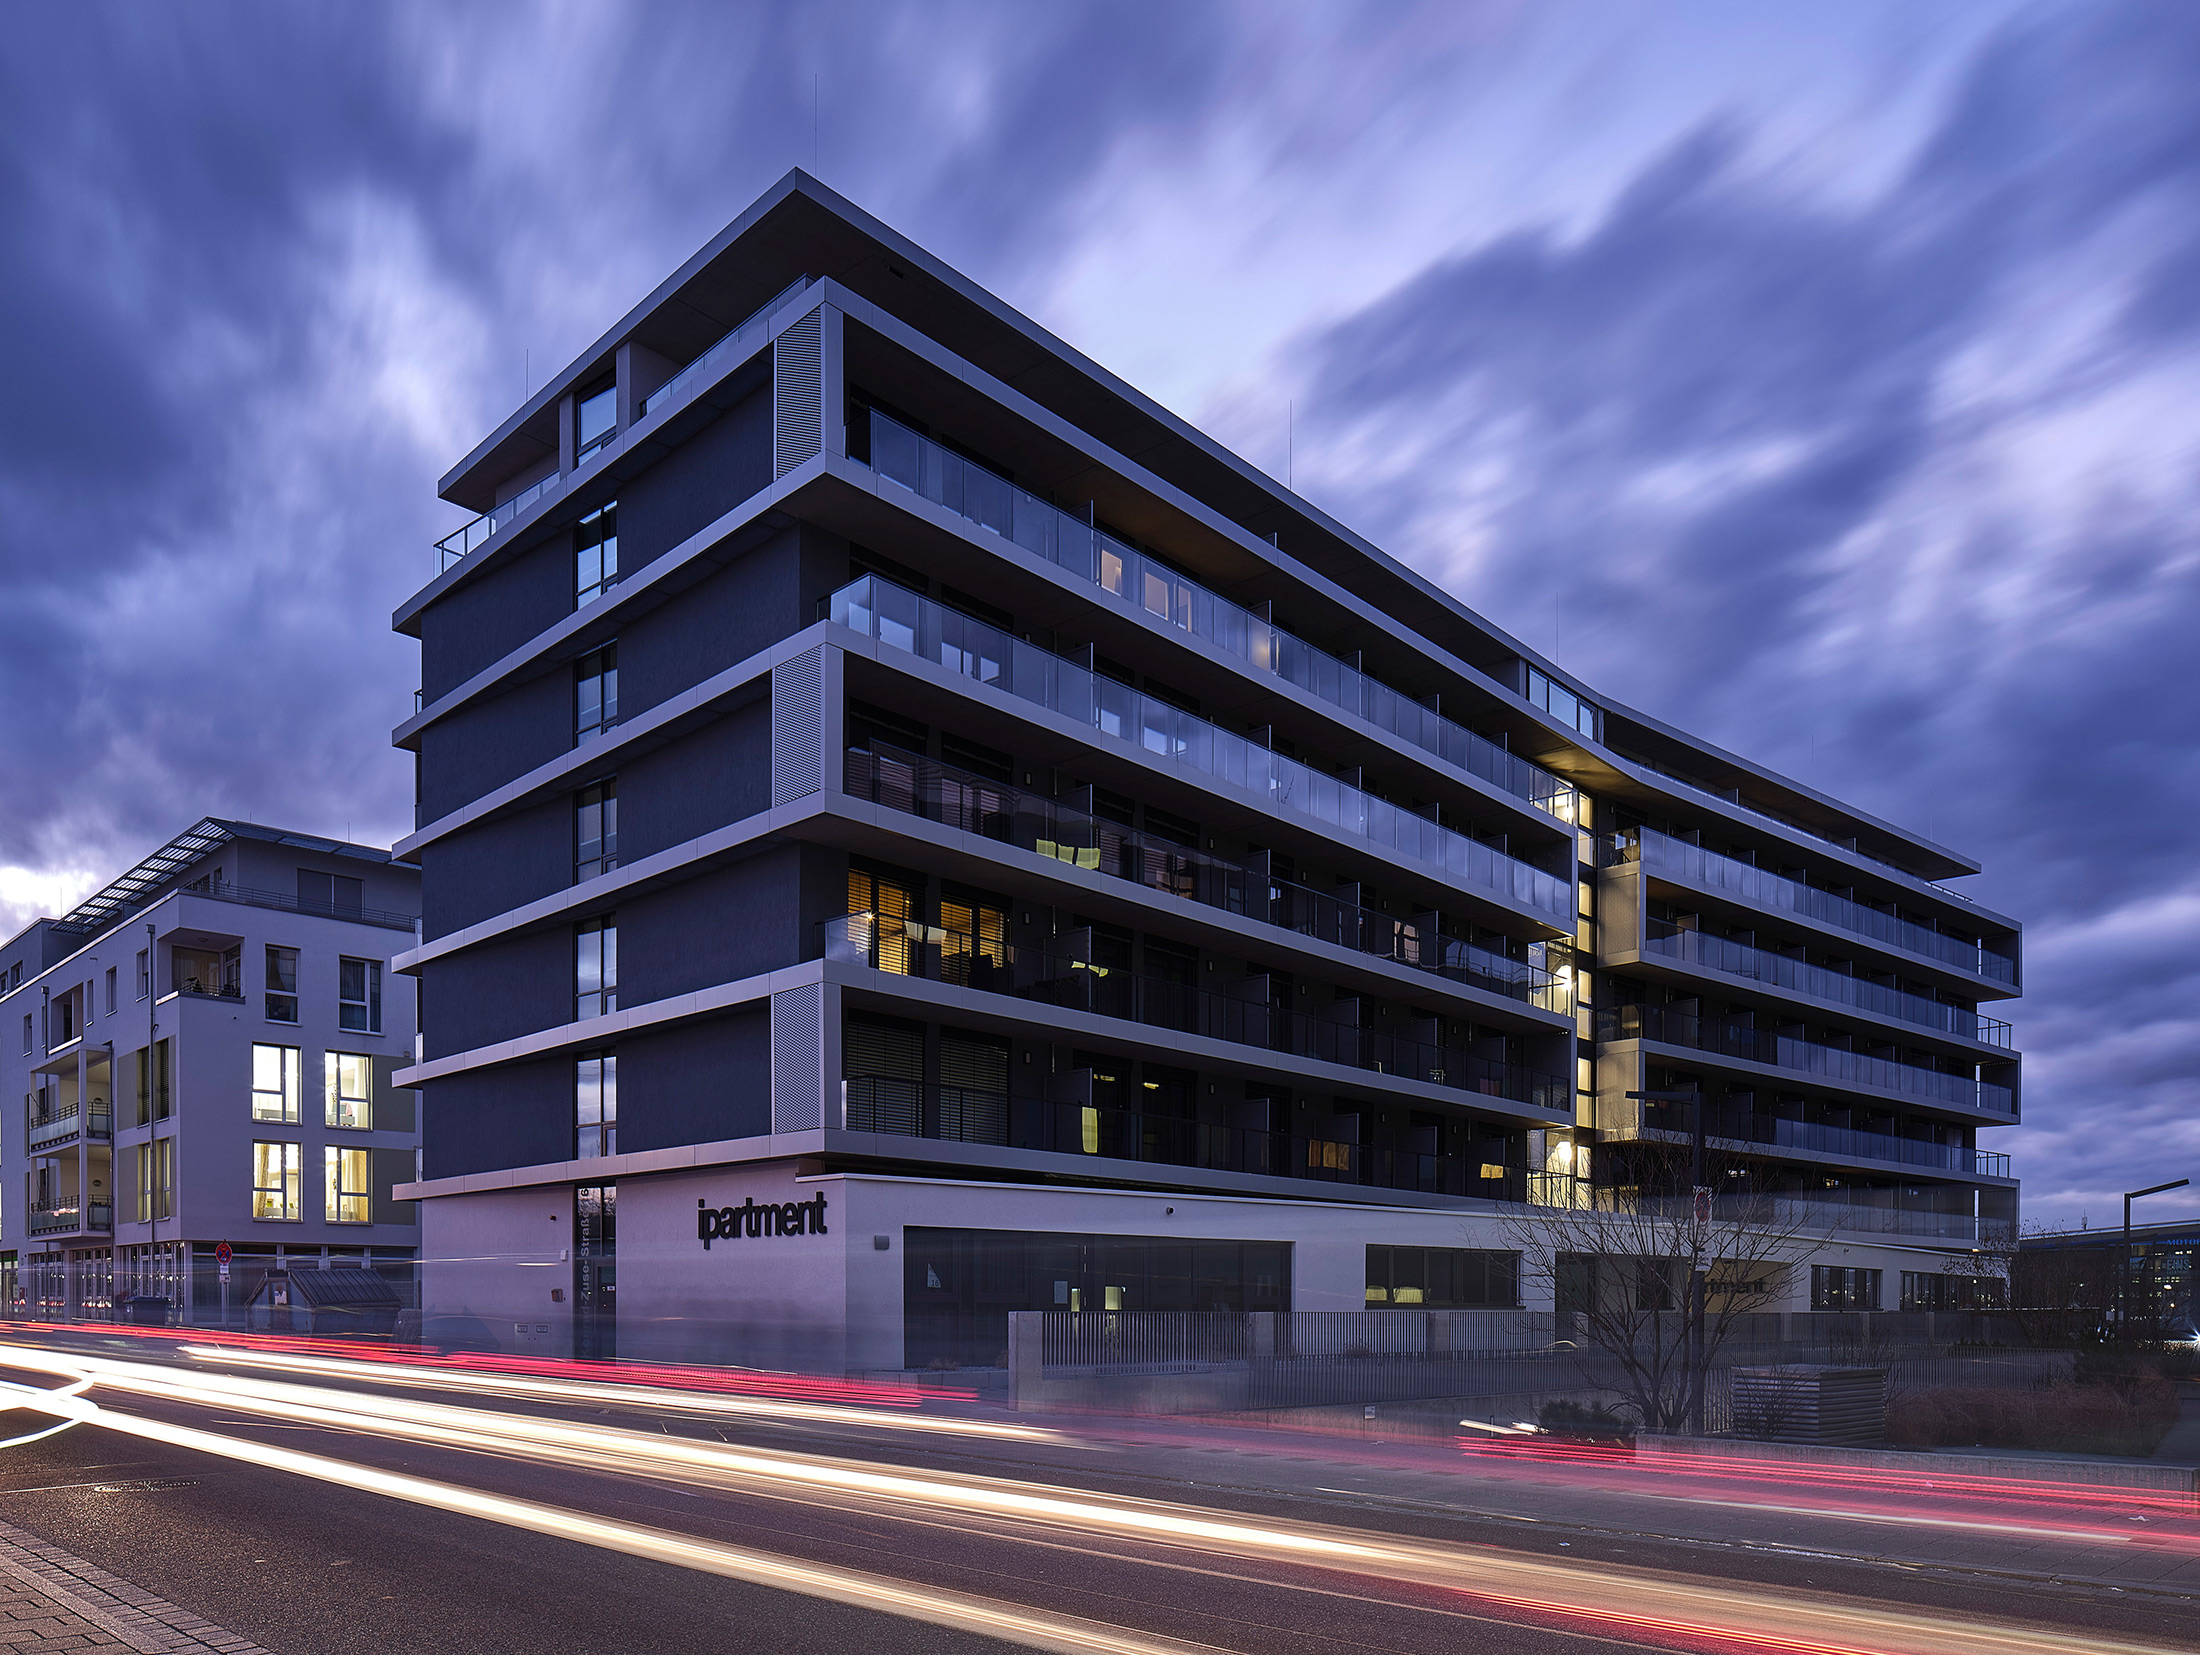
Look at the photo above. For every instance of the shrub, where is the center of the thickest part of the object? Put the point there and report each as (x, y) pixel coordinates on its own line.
(2129, 1416)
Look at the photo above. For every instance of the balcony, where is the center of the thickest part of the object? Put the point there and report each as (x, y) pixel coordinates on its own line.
(951, 1114)
(1659, 854)
(1744, 1129)
(973, 804)
(55, 1217)
(726, 352)
(1138, 582)
(54, 1127)
(908, 948)
(1865, 1217)
(1673, 1028)
(461, 543)
(1759, 965)
(900, 619)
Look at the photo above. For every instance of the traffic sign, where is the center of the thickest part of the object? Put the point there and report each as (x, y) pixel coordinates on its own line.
(222, 1254)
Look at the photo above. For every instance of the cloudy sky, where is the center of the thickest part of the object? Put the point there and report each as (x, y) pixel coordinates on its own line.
(1837, 363)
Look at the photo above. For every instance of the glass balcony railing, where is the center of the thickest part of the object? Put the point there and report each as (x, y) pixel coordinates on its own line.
(909, 948)
(1674, 1028)
(954, 1114)
(60, 1124)
(942, 793)
(1671, 1123)
(900, 619)
(1660, 854)
(726, 351)
(463, 542)
(1073, 544)
(1736, 959)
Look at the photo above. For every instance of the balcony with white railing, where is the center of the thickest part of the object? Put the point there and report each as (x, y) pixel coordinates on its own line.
(898, 618)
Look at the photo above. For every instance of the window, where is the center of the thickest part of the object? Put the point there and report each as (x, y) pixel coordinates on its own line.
(359, 995)
(596, 968)
(1836, 1287)
(275, 1084)
(15, 976)
(156, 1179)
(29, 1033)
(347, 1196)
(153, 1098)
(596, 829)
(1565, 706)
(1922, 1290)
(595, 421)
(145, 973)
(275, 1181)
(282, 984)
(597, 541)
(596, 1105)
(330, 893)
(110, 991)
(347, 1081)
(596, 693)
(890, 908)
(1443, 1278)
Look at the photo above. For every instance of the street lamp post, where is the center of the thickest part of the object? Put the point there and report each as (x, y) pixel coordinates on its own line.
(1699, 1196)
(2123, 1259)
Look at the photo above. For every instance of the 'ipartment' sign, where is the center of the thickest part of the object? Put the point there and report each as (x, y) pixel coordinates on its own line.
(773, 1218)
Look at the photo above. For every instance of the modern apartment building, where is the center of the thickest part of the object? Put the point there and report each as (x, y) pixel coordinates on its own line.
(911, 830)
(204, 1052)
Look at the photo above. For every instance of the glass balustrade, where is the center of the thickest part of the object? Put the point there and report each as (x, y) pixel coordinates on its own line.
(1662, 855)
(1140, 582)
(1673, 1122)
(900, 619)
(975, 804)
(1674, 1028)
(1759, 965)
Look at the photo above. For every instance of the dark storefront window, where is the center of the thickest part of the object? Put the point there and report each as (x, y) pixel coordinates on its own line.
(1442, 1278)
(596, 1272)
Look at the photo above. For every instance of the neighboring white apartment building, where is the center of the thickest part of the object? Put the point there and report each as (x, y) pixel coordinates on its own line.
(202, 1053)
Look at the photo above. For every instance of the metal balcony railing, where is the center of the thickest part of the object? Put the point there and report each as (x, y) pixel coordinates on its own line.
(60, 1124)
(1759, 965)
(44, 1218)
(897, 617)
(1076, 546)
(942, 793)
(1662, 855)
(1673, 1028)
(952, 1114)
(909, 948)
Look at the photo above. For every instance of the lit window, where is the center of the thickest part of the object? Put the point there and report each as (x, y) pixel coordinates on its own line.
(346, 1174)
(276, 1174)
(359, 995)
(282, 984)
(156, 1179)
(275, 1084)
(596, 538)
(596, 830)
(596, 693)
(596, 968)
(596, 1105)
(348, 1089)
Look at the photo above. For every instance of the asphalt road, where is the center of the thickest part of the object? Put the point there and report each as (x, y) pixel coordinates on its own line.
(308, 1566)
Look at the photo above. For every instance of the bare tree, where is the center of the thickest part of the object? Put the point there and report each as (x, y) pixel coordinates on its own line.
(1618, 1264)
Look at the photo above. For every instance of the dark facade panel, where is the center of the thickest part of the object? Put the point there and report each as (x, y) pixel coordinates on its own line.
(765, 594)
(520, 1115)
(724, 925)
(482, 746)
(717, 775)
(497, 865)
(482, 620)
(697, 1083)
(504, 989)
(697, 483)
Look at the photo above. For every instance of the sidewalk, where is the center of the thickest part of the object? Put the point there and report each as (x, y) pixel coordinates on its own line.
(54, 1603)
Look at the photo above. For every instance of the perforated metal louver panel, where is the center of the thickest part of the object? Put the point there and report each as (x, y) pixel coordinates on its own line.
(798, 1059)
(798, 729)
(798, 393)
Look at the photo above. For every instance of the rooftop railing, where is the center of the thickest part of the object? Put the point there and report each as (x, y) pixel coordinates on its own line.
(909, 948)
(1661, 854)
(1674, 1028)
(1144, 583)
(900, 619)
(954, 1114)
(1759, 965)
(942, 793)
(468, 539)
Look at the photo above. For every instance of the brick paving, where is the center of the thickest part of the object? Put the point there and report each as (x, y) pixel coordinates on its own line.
(54, 1603)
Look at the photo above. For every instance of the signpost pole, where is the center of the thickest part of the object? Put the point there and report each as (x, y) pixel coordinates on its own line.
(221, 1264)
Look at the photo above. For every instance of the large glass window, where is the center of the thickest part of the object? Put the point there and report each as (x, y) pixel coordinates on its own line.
(347, 1086)
(345, 1172)
(156, 1179)
(1565, 706)
(596, 829)
(1925, 1290)
(1838, 1287)
(596, 1105)
(282, 984)
(275, 1084)
(277, 1169)
(596, 968)
(1443, 1278)
(596, 538)
(359, 995)
(595, 421)
(596, 693)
